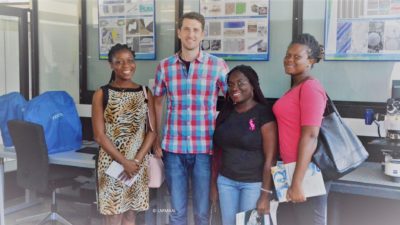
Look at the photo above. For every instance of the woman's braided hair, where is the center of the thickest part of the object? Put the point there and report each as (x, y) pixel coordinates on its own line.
(114, 49)
(252, 76)
(316, 50)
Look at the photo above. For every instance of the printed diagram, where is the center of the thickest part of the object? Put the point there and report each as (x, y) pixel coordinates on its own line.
(142, 44)
(392, 36)
(359, 37)
(236, 29)
(139, 27)
(128, 22)
(375, 42)
(111, 35)
(368, 30)
(223, 8)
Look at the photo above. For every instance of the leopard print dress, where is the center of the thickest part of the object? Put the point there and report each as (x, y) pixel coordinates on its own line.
(125, 118)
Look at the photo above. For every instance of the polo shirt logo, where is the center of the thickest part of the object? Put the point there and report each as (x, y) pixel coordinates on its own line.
(252, 125)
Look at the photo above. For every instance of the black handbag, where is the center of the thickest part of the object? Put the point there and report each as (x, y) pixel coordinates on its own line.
(339, 151)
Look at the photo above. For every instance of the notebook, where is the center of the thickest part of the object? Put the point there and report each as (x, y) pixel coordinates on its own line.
(282, 174)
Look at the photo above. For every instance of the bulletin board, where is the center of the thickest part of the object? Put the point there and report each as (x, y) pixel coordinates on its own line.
(130, 22)
(236, 30)
(362, 30)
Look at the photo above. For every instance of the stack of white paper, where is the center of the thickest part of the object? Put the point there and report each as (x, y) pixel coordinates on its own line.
(115, 169)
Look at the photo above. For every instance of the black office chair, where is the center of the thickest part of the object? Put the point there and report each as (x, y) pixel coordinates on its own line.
(33, 169)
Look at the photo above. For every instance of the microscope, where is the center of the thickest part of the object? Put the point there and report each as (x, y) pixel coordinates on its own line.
(391, 120)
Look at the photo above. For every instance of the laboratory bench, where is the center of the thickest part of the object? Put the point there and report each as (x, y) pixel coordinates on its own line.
(366, 196)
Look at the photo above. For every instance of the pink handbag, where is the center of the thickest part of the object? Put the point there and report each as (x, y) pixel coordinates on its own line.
(156, 165)
(155, 172)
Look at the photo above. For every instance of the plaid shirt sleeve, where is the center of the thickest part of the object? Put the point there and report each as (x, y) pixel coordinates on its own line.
(159, 88)
(222, 76)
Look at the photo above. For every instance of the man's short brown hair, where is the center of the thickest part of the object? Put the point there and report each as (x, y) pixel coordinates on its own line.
(192, 16)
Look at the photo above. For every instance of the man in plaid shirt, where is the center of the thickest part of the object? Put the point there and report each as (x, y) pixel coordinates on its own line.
(191, 79)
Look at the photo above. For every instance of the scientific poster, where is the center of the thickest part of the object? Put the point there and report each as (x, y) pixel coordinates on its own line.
(362, 30)
(128, 22)
(236, 30)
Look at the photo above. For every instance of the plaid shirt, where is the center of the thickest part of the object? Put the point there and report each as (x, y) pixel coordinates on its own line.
(191, 101)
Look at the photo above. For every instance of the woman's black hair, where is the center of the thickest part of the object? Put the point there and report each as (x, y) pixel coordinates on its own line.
(252, 76)
(316, 51)
(114, 49)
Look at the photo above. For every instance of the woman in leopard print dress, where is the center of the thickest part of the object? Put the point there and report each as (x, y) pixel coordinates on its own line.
(119, 117)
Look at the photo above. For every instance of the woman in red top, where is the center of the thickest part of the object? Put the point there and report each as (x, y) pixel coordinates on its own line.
(299, 114)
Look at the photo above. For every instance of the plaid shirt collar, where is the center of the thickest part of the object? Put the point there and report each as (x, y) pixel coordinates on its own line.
(200, 57)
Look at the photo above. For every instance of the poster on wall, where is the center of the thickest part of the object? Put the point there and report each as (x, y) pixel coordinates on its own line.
(128, 22)
(236, 30)
(362, 30)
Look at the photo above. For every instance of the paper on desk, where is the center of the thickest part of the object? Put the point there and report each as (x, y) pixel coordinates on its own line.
(115, 169)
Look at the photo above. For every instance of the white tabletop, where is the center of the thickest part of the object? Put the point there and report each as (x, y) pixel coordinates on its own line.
(370, 173)
(68, 158)
(73, 158)
(368, 180)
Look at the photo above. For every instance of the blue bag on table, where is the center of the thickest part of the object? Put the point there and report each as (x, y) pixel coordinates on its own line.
(56, 112)
(12, 106)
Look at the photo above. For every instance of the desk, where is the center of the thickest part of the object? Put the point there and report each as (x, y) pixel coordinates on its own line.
(69, 158)
(367, 180)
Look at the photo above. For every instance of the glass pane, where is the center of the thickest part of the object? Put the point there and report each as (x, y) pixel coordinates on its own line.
(273, 80)
(9, 59)
(354, 78)
(59, 46)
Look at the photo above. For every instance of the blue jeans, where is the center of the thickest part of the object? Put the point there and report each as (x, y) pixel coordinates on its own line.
(178, 169)
(235, 197)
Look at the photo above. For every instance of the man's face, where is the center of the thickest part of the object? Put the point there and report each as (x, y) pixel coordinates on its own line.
(190, 34)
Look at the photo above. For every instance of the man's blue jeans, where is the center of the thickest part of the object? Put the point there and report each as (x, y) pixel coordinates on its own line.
(178, 169)
(235, 197)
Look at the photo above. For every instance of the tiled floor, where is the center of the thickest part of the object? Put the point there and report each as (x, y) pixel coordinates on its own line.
(76, 213)
(86, 214)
